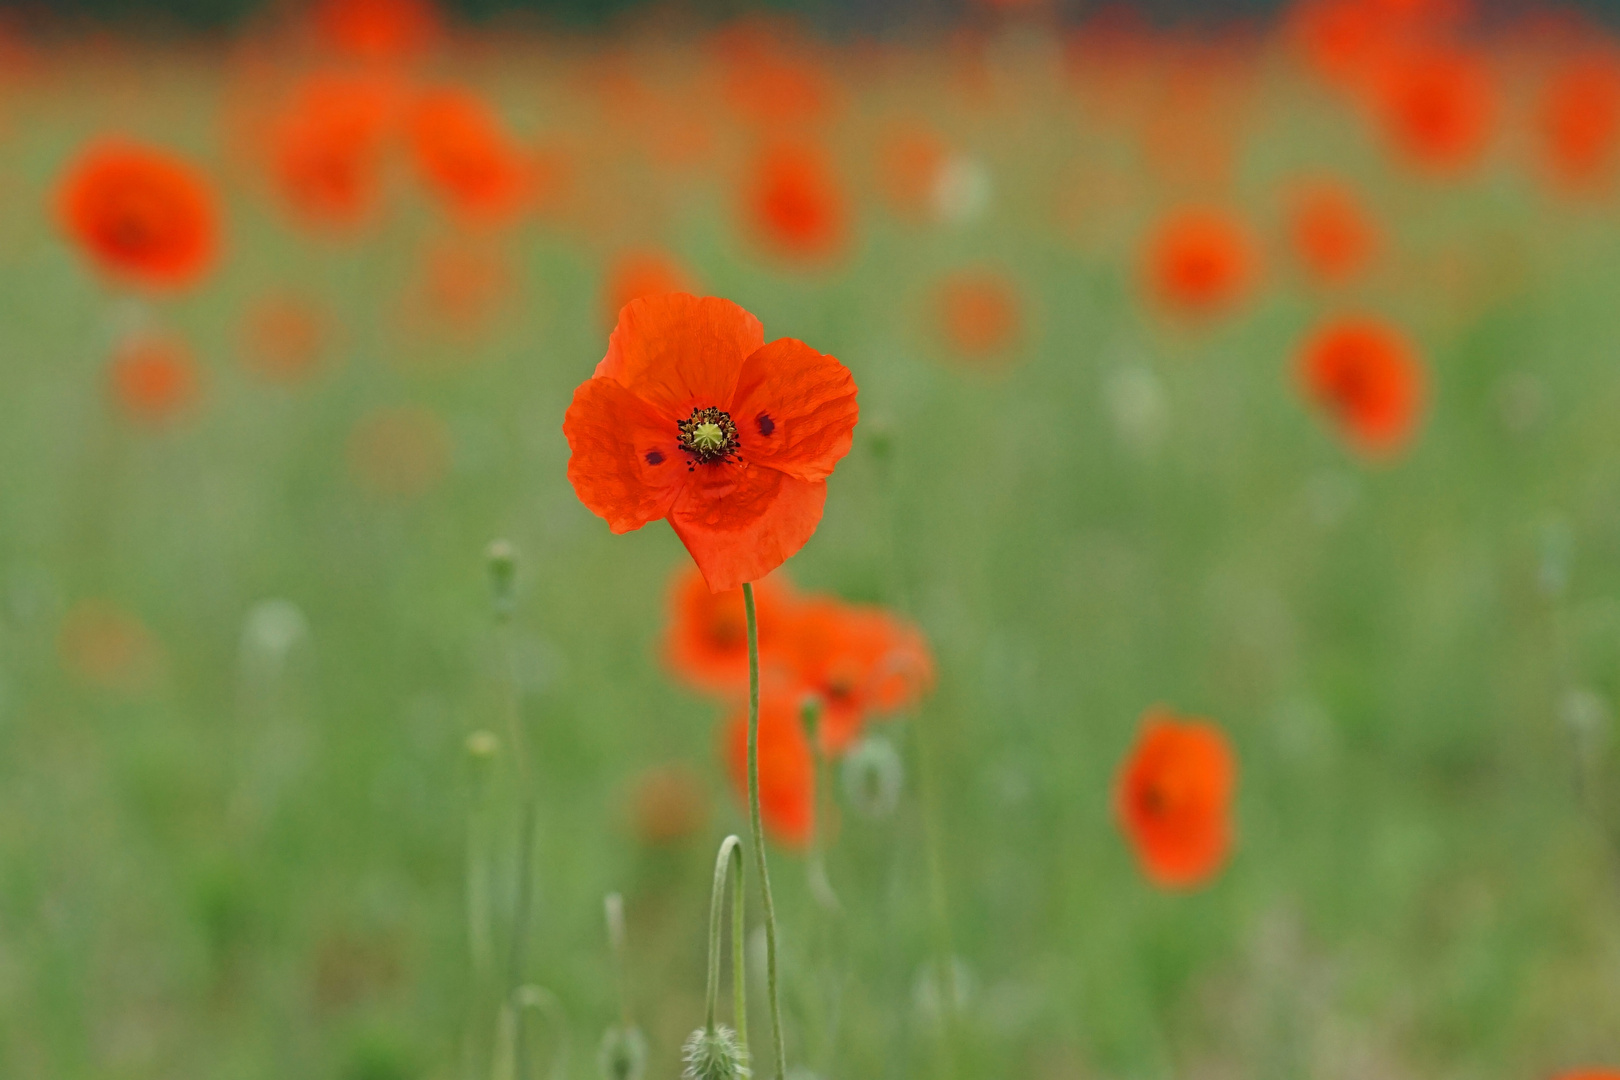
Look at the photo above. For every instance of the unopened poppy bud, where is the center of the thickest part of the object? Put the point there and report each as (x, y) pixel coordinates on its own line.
(714, 1054)
(873, 776)
(502, 560)
(482, 745)
(623, 1054)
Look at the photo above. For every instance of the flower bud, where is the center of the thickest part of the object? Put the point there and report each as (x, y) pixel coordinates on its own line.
(502, 560)
(623, 1053)
(714, 1055)
(873, 776)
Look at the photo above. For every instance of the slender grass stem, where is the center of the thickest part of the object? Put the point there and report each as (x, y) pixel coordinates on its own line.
(728, 864)
(757, 826)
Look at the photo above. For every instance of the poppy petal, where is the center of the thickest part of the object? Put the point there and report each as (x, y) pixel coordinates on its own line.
(680, 352)
(626, 463)
(740, 522)
(795, 409)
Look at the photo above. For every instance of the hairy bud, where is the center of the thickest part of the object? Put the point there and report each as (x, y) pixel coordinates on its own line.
(714, 1055)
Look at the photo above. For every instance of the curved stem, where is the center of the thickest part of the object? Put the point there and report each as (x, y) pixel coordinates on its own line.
(730, 852)
(758, 828)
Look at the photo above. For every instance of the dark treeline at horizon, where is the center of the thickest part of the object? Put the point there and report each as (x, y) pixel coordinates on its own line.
(832, 16)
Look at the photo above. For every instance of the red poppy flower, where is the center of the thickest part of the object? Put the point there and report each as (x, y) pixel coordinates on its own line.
(283, 337)
(1590, 1074)
(980, 312)
(141, 214)
(910, 160)
(707, 640)
(466, 157)
(1367, 377)
(154, 378)
(1331, 233)
(1438, 108)
(692, 417)
(1200, 261)
(638, 273)
(667, 805)
(327, 149)
(795, 203)
(109, 648)
(377, 30)
(1174, 799)
(859, 662)
(787, 770)
(1580, 122)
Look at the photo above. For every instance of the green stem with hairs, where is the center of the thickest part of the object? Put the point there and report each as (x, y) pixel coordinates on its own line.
(729, 863)
(757, 824)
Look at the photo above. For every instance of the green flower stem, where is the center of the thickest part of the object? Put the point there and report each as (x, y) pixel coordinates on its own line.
(730, 859)
(757, 825)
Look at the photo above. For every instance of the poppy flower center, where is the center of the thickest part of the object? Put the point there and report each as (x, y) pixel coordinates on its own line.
(708, 435)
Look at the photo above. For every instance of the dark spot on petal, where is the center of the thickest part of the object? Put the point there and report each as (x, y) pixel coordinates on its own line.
(766, 424)
(655, 457)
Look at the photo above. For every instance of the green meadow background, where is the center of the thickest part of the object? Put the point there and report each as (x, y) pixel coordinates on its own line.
(254, 864)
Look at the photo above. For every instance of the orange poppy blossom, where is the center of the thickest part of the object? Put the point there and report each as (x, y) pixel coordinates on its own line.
(787, 769)
(641, 272)
(1330, 232)
(795, 204)
(1590, 1074)
(154, 378)
(1200, 261)
(1174, 799)
(981, 312)
(284, 337)
(706, 644)
(327, 148)
(1579, 115)
(142, 215)
(692, 417)
(377, 30)
(856, 662)
(1438, 108)
(466, 157)
(1367, 377)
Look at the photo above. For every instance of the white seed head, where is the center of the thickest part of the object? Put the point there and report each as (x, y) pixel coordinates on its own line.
(714, 1055)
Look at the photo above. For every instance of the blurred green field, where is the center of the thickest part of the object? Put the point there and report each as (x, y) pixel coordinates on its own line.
(246, 867)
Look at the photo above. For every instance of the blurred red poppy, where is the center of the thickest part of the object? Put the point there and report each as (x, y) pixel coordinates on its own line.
(706, 643)
(400, 452)
(109, 648)
(1331, 233)
(858, 662)
(1174, 799)
(465, 157)
(980, 312)
(795, 203)
(1366, 376)
(283, 337)
(1579, 122)
(154, 377)
(787, 770)
(1200, 261)
(667, 805)
(1438, 108)
(910, 159)
(692, 417)
(327, 148)
(377, 30)
(641, 272)
(142, 215)
(463, 286)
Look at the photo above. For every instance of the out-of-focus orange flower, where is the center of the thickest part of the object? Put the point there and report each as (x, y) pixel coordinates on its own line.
(667, 805)
(1590, 1074)
(795, 204)
(466, 157)
(1331, 233)
(1579, 117)
(377, 30)
(143, 215)
(858, 662)
(1438, 108)
(1174, 799)
(980, 312)
(910, 158)
(327, 148)
(154, 377)
(692, 417)
(707, 640)
(773, 88)
(283, 337)
(1341, 40)
(1366, 376)
(641, 272)
(400, 452)
(787, 770)
(1200, 261)
(109, 648)
(463, 286)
